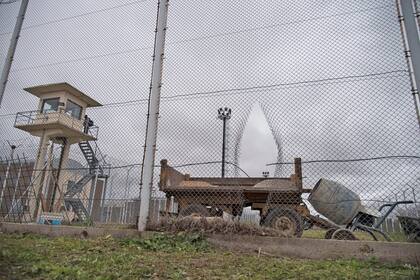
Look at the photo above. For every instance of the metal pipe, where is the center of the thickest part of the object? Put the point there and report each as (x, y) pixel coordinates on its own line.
(153, 115)
(110, 200)
(12, 48)
(408, 26)
(102, 202)
(416, 207)
(223, 148)
(406, 207)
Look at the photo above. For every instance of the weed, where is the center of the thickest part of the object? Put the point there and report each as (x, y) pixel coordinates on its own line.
(167, 243)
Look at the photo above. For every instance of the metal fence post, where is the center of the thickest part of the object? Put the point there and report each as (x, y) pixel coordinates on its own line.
(153, 114)
(12, 48)
(416, 208)
(410, 36)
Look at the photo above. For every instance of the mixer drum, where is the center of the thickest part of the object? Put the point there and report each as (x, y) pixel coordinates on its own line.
(334, 201)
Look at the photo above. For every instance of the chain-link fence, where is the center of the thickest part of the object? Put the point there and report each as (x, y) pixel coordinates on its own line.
(317, 136)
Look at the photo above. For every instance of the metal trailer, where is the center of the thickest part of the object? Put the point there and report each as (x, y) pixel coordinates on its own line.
(279, 200)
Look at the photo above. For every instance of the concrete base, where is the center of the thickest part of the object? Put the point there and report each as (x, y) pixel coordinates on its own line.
(74, 231)
(320, 249)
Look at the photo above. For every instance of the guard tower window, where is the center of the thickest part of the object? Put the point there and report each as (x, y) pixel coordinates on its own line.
(49, 105)
(73, 109)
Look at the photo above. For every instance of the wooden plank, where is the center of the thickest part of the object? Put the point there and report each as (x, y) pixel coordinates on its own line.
(298, 172)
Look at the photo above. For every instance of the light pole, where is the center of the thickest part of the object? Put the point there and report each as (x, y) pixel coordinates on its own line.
(224, 114)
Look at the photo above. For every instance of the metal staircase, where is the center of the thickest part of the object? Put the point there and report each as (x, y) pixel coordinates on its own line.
(90, 156)
(97, 168)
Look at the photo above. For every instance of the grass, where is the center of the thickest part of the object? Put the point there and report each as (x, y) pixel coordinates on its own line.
(167, 257)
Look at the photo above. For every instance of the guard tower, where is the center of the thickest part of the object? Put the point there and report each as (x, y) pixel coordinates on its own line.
(60, 119)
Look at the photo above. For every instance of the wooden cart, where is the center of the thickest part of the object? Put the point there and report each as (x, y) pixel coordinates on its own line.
(279, 200)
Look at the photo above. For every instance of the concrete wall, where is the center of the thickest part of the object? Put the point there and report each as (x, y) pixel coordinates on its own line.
(320, 249)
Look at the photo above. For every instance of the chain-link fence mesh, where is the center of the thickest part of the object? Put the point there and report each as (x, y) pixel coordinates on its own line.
(326, 82)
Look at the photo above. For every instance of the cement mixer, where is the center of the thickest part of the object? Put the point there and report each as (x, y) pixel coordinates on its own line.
(343, 207)
(334, 201)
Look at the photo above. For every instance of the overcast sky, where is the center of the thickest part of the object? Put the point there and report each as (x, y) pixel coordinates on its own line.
(311, 79)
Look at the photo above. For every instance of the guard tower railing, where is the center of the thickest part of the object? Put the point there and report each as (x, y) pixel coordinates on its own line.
(34, 118)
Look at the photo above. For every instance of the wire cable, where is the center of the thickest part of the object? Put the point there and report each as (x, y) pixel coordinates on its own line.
(276, 25)
(349, 160)
(79, 59)
(77, 16)
(252, 89)
(234, 91)
(183, 40)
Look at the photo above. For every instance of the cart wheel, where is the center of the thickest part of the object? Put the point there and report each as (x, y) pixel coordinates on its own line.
(343, 234)
(286, 220)
(194, 210)
(329, 233)
(307, 223)
(414, 237)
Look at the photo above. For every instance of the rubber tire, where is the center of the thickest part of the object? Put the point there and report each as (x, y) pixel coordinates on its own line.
(329, 233)
(343, 234)
(289, 213)
(199, 209)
